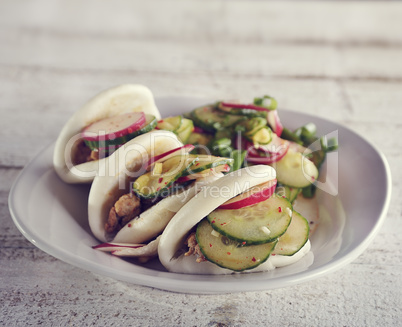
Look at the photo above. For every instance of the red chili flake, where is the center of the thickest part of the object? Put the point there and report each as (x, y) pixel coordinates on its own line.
(243, 243)
(273, 254)
(254, 259)
(160, 180)
(279, 209)
(129, 225)
(284, 196)
(161, 121)
(197, 164)
(228, 253)
(223, 224)
(213, 221)
(210, 245)
(165, 183)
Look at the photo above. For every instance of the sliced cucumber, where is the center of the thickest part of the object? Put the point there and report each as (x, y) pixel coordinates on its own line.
(242, 110)
(254, 125)
(295, 170)
(185, 130)
(295, 237)
(211, 119)
(170, 123)
(288, 192)
(263, 136)
(204, 162)
(255, 224)
(153, 184)
(182, 127)
(150, 124)
(226, 253)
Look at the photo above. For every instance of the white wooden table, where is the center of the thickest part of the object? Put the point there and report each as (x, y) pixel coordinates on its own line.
(334, 59)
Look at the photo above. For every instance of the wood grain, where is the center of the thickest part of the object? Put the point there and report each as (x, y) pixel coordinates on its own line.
(339, 60)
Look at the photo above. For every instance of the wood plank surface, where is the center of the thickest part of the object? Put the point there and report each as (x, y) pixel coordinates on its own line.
(339, 60)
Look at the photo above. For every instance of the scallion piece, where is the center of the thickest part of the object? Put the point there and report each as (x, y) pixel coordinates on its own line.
(238, 156)
(267, 102)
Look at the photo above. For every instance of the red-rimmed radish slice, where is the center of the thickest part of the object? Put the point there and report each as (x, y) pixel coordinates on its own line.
(114, 127)
(110, 247)
(268, 154)
(140, 251)
(254, 195)
(274, 122)
(230, 105)
(182, 150)
(275, 147)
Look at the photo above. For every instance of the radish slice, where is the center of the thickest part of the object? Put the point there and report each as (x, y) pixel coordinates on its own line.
(187, 148)
(254, 195)
(244, 106)
(274, 122)
(273, 152)
(275, 147)
(110, 247)
(114, 127)
(264, 154)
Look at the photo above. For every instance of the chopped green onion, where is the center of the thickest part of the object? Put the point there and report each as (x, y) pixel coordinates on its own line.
(332, 144)
(290, 136)
(308, 131)
(238, 156)
(267, 102)
(222, 147)
(309, 191)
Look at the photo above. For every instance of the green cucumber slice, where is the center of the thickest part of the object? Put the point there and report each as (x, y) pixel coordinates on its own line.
(256, 224)
(185, 130)
(229, 254)
(295, 170)
(211, 119)
(241, 111)
(205, 162)
(288, 192)
(295, 237)
(150, 124)
(152, 185)
(170, 123)
(263, 136)
(254, 125)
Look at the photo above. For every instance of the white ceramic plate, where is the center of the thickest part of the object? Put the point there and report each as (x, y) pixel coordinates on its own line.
(53, 216)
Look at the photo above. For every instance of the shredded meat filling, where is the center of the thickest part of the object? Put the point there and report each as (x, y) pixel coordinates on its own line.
(126, 208)
(82, 153)
(194, 248)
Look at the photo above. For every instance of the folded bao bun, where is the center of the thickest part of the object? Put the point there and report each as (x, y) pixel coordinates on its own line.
(202, 204)
(118, 100)
(123, 167)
